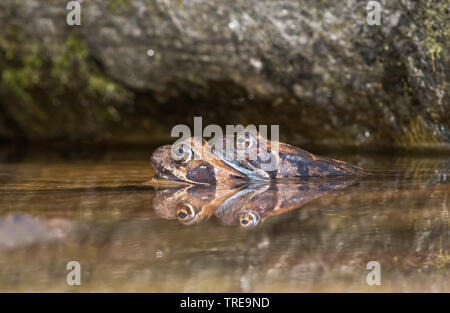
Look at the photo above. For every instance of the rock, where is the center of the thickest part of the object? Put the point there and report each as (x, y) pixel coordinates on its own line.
(135, 68)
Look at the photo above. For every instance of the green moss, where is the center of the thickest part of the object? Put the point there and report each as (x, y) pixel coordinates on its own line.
(117, 5)
(20, 74)
(432, 20)
(66, 54)
(105, 87)
(63, 62)
(18, 80)
(35, 78)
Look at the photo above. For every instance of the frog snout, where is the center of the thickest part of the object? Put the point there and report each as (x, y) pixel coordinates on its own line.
(160, 154)
(159, 162)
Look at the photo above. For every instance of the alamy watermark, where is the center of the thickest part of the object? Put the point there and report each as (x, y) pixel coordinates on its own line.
(374, 276)
(73, 277)
(237, 143)
(73, 18)
(74, 15)
(374, 13)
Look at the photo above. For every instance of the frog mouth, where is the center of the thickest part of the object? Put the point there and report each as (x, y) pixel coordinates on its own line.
(164, 173)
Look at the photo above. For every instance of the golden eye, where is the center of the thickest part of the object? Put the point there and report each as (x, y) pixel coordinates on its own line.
(182, 154)
(184, 212)
(248, 219)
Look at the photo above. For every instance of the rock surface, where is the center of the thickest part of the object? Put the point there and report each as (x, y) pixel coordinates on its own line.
(135, 68)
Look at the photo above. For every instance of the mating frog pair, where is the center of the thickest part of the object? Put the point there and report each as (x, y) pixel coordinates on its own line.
(243, 157)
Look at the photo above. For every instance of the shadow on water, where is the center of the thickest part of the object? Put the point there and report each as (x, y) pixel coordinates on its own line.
(310, 235)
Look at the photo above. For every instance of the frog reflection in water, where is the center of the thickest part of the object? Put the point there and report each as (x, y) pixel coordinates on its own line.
(246, 205)
(213, 162)
(242, 190)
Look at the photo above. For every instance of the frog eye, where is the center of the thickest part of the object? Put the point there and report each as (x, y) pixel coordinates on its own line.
(248, 219)
(244, 143)
(182, 154)
(184, 212)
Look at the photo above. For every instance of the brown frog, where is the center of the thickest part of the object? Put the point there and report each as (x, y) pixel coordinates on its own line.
(250, 157)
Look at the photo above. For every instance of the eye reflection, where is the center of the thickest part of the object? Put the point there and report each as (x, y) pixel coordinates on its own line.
(248, 219)
(243, 143)
(184, 212)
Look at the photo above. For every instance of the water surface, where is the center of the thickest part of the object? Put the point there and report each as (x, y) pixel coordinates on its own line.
(97, 209)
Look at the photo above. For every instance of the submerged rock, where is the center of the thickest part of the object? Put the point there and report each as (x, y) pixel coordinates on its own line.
(21, 230)
(135, 68)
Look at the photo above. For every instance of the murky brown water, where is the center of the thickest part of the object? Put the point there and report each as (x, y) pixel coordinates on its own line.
(97, 210)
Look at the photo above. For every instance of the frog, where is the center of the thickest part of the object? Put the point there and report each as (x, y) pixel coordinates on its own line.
(251, 157)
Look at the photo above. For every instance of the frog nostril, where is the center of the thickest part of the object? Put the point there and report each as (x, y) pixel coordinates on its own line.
(159, 162)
